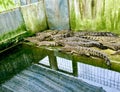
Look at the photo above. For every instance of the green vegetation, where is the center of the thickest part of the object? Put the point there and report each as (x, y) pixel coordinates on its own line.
(34, 21)
(13, 33)
(104, 15)
(8, 4)
(13, 37)
(109, 17)
(72, 17)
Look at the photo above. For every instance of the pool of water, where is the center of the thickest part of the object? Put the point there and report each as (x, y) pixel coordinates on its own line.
(16, 61)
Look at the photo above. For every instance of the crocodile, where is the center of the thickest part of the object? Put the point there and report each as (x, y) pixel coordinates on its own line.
(113, 46)
(73, 38)
(62, 34)
(46, 35)
(116, 53)
(102, 38)
(86, 33)
(86, 51)
(79, 43)
(31, 39)
(47, 32)
(47, 43)
(108, 42)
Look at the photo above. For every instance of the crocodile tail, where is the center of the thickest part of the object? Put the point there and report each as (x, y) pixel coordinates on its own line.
(107, 60)
(100, 55)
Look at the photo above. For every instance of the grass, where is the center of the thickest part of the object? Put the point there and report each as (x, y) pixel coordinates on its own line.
(8, 4)
(107, 17)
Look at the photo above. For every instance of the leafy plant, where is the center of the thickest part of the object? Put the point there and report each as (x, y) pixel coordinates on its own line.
(7, 4)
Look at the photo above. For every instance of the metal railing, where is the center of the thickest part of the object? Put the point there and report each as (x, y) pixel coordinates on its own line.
(84, 71)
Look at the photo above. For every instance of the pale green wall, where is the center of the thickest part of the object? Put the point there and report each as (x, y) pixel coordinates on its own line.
(57, 13)
(11, 24)
(27, 18)
(10, 20)
(34, 17)
(103, 15)
(38, 15)
(22, 21)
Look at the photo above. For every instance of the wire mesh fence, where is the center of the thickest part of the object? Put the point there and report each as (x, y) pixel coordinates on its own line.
(45, 61)
(88, 72)
(64, 64)
(99, 75)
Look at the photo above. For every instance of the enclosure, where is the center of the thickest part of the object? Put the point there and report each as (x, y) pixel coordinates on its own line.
(59, 45)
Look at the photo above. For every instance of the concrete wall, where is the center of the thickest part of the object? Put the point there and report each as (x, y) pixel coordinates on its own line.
(57, 14)
(10, 20)
(30, 18)
(34, 17)
(38, 15)
(98, 15)
(25, 2)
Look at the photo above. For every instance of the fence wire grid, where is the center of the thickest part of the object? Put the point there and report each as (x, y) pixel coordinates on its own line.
(88, 72)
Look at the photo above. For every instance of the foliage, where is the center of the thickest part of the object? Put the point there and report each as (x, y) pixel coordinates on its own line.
(8, 4)
(104, 16)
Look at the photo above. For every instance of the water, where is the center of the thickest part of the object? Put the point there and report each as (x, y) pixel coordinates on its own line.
(20, 72)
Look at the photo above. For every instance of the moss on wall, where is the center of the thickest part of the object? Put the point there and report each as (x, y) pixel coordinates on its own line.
(13, 33)
(14, 23)
(12, 27)
(12, 37)
(34, 17)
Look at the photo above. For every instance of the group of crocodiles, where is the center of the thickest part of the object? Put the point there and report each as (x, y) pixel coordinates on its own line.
(79, 43)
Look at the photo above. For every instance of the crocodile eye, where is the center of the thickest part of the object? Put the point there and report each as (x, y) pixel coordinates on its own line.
(104, 57)
(100, 54)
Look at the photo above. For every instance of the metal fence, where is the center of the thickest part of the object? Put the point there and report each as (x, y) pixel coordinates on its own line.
(90, 73)
(102, 76)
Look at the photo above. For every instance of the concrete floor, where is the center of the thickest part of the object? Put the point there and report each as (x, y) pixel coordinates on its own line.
(37, 78)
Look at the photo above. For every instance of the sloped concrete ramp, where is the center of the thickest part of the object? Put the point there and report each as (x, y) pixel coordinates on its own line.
(37, 78)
